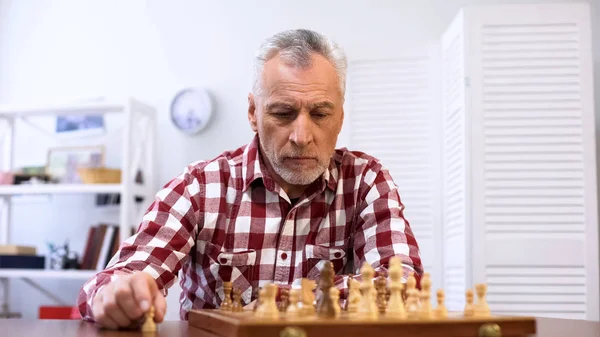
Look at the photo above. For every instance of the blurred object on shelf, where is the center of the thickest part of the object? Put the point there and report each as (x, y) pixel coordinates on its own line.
(33, 170)
(27, 179)
(64, 162)
(17, 250)
(7, 178)
(22, 261)
(62, 258)
(100, 175)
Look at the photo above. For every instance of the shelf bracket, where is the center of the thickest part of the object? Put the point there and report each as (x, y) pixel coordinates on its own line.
(44, 291)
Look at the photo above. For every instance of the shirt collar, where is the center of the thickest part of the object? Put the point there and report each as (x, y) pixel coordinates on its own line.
(254, 168)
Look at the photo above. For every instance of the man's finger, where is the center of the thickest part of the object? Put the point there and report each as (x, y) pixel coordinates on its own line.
(98, 312)
(144, 290)
(160, 307)
(111, 308)
(124, 295)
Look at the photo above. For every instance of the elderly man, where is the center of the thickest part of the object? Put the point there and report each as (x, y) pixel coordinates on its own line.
(272, 211)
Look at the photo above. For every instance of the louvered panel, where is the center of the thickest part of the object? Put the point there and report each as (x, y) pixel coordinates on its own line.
(391, 118)
(454, 281)
(537, 289)
(530, 211)
(530, 110)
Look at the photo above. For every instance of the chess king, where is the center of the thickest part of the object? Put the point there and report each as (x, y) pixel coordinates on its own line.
(272, 211)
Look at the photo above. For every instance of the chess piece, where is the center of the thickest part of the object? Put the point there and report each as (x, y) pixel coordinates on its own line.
(308, 297)
(469, 310)
(227, 303)
(354, 296)
(411, 287)
(334, 293)
(482, 308)
(284, 302)
(441, 311)
(257, 303)
(237, 301)
(412, 297)
(293, 310)
(381, 287)
(395, 306)
(425, 297)
(149, 324)
(324, 304)
(268, 306)
(412, 304)
(368, 306)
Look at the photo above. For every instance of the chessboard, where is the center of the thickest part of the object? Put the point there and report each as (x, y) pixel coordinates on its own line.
(382, 306)
(246, 324)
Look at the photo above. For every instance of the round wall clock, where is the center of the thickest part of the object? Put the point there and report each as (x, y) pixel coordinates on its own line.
(191, 110)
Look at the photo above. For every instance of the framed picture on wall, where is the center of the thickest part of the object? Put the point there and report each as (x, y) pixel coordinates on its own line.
(80, 125)
(63, 162)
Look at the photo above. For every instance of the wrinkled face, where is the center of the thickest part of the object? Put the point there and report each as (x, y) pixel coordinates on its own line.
(298, 116)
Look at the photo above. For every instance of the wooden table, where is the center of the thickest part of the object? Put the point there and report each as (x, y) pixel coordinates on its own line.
(547, 327)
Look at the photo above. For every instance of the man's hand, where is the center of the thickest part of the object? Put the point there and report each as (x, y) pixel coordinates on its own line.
(123, 302)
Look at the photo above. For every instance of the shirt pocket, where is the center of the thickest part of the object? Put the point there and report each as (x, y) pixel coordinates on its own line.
(317, 255)
(234, 266)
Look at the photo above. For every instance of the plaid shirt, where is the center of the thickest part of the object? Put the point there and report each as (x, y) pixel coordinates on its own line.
(227, 219)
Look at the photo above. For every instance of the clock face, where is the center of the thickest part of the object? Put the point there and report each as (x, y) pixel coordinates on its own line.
(191, 110)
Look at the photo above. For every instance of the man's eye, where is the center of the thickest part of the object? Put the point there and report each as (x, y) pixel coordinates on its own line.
(319, 115)
(283, 114)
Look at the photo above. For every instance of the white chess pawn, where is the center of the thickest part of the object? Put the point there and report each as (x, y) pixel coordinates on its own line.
(293, 310)
(441, 311)
(425, 297)
(334, 293)
(482, 308)
(412, 304)
(368, 306)
(395, 306)
(469, 310)
(268, 307)
(354, 296)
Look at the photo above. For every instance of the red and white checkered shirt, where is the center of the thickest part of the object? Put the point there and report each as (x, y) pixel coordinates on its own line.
(227, 219)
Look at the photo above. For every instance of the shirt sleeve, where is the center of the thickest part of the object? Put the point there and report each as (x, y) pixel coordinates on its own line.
(381, 231)
(161, 244)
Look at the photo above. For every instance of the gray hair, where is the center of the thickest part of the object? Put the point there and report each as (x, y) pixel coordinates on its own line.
(297, 47)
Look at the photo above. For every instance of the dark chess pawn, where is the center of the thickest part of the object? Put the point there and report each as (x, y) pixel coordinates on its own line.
(325, 307)
(226, 305)
(237, 301)
(285, 300)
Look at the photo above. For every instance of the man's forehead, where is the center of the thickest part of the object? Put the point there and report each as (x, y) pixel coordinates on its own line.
(279, 74)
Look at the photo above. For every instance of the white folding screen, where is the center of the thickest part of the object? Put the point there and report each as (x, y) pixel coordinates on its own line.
(530, 216)
(454, 168)
(491, 141)
(392, 107)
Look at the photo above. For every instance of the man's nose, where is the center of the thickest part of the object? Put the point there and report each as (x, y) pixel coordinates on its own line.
(301, 133)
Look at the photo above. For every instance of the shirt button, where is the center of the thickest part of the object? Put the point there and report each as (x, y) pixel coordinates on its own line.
(283, 256)
(223, 260)
(337, 255)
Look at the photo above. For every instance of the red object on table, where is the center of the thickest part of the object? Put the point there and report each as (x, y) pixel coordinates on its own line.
(59, 312)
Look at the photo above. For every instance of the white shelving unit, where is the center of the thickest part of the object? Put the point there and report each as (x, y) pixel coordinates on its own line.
(137, 154)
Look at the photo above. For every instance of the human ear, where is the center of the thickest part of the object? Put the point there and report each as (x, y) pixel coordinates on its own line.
(252, 113)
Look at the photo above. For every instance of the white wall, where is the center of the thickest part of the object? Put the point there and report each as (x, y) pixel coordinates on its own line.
(151, 49)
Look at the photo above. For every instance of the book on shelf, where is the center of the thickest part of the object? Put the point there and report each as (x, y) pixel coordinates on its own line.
(101, 245)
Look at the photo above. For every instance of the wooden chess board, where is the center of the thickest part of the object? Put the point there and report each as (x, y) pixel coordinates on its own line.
(247, 324)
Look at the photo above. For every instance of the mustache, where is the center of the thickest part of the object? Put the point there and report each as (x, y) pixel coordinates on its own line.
(295, 154)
